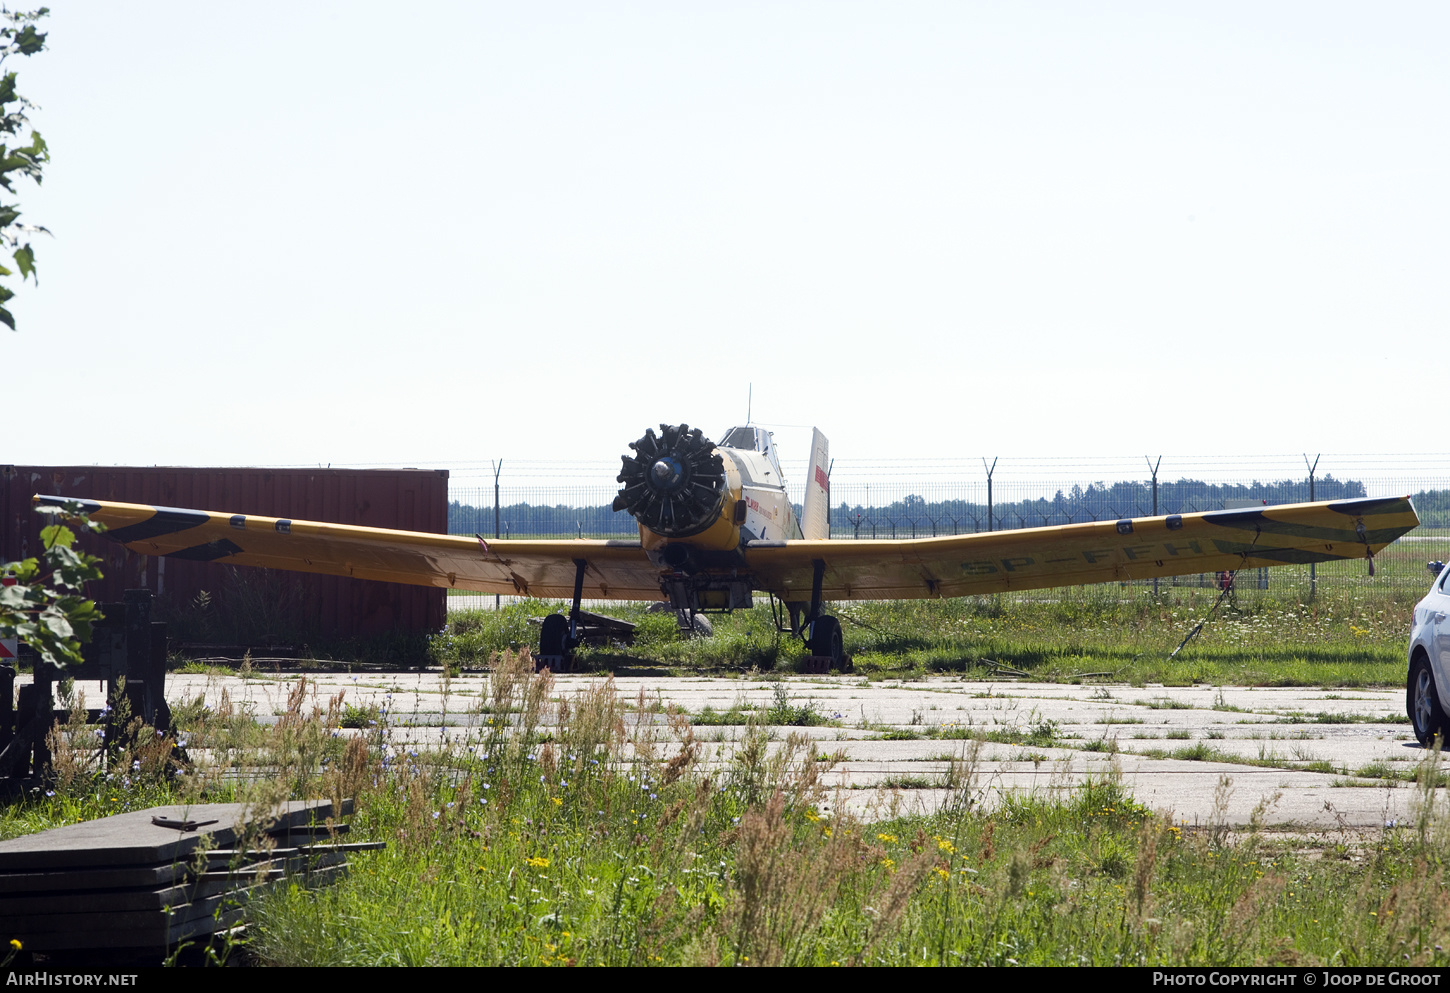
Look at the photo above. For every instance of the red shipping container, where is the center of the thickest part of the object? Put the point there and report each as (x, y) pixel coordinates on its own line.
(405, 499)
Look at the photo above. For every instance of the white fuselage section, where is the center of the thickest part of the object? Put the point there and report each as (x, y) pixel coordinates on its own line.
(769, 515)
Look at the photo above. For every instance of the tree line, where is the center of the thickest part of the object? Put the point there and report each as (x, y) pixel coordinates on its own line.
(918, 515)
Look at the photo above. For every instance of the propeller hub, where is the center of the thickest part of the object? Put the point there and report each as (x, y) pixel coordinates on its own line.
(667, 473)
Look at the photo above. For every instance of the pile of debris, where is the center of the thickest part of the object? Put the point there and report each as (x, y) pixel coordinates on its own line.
(148, 880)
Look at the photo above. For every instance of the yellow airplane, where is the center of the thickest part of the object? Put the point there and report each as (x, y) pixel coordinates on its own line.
(716, 526)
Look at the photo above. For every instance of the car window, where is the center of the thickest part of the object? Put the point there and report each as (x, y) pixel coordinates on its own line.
(1444, 584)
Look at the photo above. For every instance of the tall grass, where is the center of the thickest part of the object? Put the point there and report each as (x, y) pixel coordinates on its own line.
(617, 843)
(588, 829)
(1353, 640)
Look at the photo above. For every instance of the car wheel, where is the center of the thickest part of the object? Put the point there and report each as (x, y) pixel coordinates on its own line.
(1422, 702)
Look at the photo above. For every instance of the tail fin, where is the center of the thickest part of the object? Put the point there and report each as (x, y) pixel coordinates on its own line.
(815, 512)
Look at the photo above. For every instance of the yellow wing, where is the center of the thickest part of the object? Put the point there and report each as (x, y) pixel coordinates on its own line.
(617, 570)
(1076, 554)
(1030, 558)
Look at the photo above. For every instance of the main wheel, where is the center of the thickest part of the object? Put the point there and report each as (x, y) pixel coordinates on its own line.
(1422, 702)
(826, 640)
(701, 627)
(554, 648)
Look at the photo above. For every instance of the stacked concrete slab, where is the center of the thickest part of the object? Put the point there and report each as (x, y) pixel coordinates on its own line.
(152, 879)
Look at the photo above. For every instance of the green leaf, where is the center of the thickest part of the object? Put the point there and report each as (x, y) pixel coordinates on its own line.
(23, 571)
(57, 623)
(13, 597)
(25, 259)
(30, 41)
(57, 535)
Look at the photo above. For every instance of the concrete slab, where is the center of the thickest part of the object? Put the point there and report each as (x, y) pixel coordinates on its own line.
(132, 839)
(1290, 753)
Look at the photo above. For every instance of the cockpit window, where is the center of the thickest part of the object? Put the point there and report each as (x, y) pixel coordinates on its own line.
(747, 438)
(769, 449)
(751, 439)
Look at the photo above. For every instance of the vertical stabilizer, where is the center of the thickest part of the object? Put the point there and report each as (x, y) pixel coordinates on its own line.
(815, 522)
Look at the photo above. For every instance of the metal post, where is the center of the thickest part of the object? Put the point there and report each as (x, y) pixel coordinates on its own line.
(579, 566)
(990, 470)
(497, 468)
(818, 575)
(828, 496)
(1153, 468)
(1313, 579)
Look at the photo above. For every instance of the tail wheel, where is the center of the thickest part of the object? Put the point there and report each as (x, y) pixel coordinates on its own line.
(1422, 702)
(826, 641)
(555, 652)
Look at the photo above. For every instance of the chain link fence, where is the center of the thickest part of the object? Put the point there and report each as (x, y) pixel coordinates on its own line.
(876, 499)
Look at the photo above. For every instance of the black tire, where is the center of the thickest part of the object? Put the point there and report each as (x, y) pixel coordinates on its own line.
(554, 644)
(1422, 703)
(826, 640)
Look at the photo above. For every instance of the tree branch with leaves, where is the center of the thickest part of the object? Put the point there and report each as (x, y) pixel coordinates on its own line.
(23, 152)
(43, 603)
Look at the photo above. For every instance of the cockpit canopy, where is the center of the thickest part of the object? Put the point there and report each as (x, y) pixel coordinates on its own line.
(753, 439)
(748, 438)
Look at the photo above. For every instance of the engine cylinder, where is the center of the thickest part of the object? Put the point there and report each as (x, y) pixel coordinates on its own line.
(675, 483)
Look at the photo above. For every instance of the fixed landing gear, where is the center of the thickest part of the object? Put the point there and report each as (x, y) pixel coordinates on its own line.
(556, 648)
(822, 631)
(559, 635)
(828, 651)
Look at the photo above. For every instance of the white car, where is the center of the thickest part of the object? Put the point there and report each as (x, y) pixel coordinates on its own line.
(1426, 685)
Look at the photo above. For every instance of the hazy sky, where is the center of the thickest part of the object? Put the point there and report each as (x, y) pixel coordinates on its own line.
(439, 232)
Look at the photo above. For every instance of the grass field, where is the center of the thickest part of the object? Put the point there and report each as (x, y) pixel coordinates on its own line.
(1356, 639)
(605, 842)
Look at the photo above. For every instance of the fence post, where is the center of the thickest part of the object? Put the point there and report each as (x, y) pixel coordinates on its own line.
(1153, 468)
(828, 497)
(989, 487)
(497, 468)
(1313, 578)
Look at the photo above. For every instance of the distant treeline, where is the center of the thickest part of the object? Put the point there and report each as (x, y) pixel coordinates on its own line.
(531, 519)
(1433, 506)
(1096, 502)
(917, 515)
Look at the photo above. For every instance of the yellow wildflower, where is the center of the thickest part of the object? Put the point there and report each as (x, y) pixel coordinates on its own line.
(538, 862)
